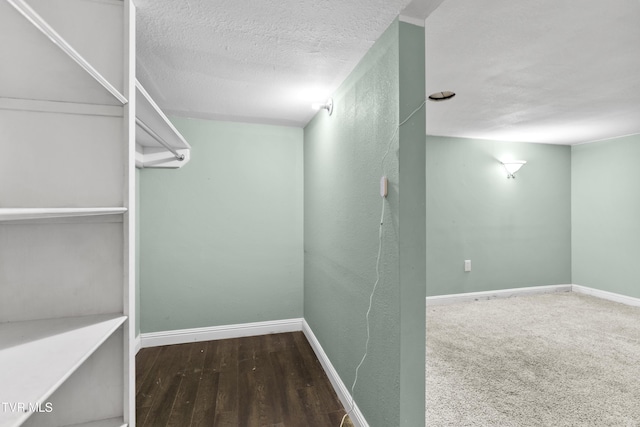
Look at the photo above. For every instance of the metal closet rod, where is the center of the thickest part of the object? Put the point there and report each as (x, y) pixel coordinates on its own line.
(165, 144)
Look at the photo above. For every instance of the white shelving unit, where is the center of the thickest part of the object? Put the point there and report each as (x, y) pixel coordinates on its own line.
(67, 132)
(158, 142)
(53, 350)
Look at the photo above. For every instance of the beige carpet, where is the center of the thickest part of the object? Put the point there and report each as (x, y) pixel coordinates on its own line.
(547, 360)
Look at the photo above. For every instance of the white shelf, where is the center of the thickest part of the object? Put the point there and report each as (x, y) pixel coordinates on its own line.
(112, 422)
(158, 141)
(42, 106)
(44, 65)
(36, 357)
(13, 214)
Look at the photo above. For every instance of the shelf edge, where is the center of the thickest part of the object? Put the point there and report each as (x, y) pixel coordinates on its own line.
(111, 422)
(42, 25)
(116, 321)
(15, 214)
(44, 106)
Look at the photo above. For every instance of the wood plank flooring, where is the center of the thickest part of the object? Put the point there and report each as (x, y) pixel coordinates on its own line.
(264, 381)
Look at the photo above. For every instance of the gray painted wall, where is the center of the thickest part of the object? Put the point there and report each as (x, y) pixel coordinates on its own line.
(343, 165)
(606, 215)
(516, 232)
(222, 237)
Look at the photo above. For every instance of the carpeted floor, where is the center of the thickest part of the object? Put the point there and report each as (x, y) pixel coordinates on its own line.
(560, 359)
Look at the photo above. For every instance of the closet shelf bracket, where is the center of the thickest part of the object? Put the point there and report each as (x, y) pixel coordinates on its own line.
(165, 144)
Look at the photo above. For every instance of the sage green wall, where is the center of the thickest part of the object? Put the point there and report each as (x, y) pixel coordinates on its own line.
(343, 165)
(412, 226)
(222, 237)
(516, 232)
(606, 215)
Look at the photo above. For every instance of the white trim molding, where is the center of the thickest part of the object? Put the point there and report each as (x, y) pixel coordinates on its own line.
(502, 293)
(356, 416)
(606, 295)
(534, 290)
(137, 344)
(182, 336)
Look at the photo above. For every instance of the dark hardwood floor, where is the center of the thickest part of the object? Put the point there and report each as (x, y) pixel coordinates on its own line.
(265, 381)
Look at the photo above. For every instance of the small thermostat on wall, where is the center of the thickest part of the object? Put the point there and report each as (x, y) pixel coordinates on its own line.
(383, 186)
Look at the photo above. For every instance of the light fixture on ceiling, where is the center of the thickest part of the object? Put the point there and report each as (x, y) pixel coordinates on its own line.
(441, 96)
(326, 106)
(513, 166)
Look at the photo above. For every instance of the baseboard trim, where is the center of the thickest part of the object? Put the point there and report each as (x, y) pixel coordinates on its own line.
(611, 296)
(137, 343)
(357, 418)
(508, 293)
(182, 336)
(489, 295)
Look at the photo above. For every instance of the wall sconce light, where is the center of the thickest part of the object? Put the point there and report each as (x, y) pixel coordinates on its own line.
(513, 166)
(326, 106)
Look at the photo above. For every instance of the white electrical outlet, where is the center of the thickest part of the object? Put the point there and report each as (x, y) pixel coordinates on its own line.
(467, 265)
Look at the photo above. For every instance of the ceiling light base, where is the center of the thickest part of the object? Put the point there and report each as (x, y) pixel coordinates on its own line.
(329, 106)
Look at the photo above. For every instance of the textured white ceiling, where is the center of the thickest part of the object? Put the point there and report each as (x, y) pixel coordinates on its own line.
(554, 71)
(262, 61)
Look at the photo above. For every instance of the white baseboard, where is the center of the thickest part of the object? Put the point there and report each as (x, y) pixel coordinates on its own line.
(606, 295)
(137, 343)
(182, 336)
(356, 416)
(508, 293)
(488, 295)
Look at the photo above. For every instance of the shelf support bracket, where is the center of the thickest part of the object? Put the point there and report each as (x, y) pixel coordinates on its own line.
(165, 144)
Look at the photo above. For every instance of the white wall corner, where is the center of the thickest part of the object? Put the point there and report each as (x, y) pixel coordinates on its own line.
(182, 336)
(611, 296)
(357, 418)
